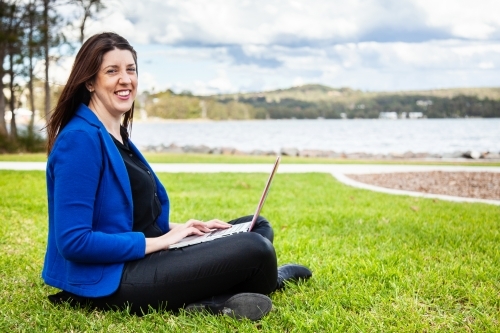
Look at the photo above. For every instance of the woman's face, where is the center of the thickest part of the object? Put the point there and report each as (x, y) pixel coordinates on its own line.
(115, 85)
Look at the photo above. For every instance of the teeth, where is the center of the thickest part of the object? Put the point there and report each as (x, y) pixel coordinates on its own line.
(123, 93)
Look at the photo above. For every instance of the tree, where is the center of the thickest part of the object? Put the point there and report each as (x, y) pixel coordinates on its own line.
(33, 44)
(5, 27)
(12, 19)
(90, 9)
(51, 37)
(45, 29)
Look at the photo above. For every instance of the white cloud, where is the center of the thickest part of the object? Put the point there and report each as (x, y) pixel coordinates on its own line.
(221, 45)
(147, 81)
(218, 84)
(292, 22)
(486, 65)
(58, 71)
(464, 18)
(298, 81)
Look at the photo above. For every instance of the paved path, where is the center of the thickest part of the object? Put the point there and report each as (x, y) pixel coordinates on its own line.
(337, 170)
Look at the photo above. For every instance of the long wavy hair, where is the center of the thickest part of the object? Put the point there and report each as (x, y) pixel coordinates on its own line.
(87, 64)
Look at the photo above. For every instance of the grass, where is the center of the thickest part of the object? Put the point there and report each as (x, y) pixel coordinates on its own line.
(208, 158)
(381, 263)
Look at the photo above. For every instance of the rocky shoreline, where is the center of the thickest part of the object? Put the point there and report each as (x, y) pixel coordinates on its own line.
(290, 151)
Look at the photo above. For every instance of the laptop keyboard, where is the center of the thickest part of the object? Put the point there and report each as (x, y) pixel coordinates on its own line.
(235, 228)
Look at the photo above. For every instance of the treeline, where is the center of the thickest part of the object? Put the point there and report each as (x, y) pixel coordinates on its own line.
(432, 107)
(314, 104)
(371, 107)
(187, 106)
(31, 39)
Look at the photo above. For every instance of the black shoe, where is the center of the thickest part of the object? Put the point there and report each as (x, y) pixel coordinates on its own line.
(245, 305)
(64, 297)
(292, 272)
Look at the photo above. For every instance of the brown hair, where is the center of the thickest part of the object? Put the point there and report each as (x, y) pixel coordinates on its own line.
(87, 64)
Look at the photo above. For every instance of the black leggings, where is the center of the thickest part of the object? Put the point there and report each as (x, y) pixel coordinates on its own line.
(244, 262)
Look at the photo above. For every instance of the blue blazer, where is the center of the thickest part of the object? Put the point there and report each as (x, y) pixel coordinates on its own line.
(90, 210)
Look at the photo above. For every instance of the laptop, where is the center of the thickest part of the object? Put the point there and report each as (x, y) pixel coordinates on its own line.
(235, 229)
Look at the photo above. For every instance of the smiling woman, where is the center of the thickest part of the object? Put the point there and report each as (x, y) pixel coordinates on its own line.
(109, 240)
(100, 56)
(114, 89)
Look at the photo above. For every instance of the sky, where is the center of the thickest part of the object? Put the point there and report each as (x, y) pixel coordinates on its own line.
(226, 46)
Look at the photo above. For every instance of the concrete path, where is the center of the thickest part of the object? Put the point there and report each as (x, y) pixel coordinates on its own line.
(337, 170)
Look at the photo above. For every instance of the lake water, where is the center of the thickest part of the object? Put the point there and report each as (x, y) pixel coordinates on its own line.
(362, 135)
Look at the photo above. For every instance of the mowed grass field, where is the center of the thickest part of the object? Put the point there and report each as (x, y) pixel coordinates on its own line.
(380, 263)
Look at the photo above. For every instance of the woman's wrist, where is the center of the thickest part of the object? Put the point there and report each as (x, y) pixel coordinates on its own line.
(173, 225)
(153, 245)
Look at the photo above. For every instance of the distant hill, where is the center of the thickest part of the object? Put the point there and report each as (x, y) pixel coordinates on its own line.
(317, 92)
(320, 101)
(313, 101)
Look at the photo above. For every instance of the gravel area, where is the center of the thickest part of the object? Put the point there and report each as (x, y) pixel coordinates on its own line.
(481, 185)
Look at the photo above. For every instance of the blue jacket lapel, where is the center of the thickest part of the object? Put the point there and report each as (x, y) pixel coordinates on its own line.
(111, 151)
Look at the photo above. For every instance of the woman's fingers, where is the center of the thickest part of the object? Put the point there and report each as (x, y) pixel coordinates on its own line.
(194, 231)
(207, 226)
(218, 224)
(200, 225)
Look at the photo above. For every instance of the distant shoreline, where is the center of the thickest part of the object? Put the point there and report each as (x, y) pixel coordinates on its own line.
(153, 120)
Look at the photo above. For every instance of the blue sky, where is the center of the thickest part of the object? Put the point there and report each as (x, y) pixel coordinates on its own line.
(221, 46)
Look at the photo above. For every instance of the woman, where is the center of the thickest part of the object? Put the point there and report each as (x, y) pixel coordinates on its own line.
(109, 229)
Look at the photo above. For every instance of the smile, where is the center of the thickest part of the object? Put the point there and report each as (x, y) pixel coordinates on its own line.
(123, 93)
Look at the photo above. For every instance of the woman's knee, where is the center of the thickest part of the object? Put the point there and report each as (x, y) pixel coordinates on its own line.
(257, 246)
(263, 227)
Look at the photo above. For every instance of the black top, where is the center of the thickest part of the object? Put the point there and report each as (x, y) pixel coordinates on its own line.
(147, 206)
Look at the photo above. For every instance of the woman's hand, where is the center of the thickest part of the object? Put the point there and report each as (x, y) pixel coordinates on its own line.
(179, 231)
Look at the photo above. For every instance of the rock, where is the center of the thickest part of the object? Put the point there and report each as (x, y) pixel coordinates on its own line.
(355, 156)
(455, 154)
(196, 149)
(491, 156)
(289, 151)
(332, 154)
(421, 155)
(257, 152)
(152, 148)
(160, 148)
(366, 156)
(216, 151)
(227, 150)
(172, 148)
(313, 153)
(408, 154)
(239, 152)
(395, 155)
(472, 154)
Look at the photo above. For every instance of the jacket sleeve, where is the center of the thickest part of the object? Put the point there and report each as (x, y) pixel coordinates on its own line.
(76, 165)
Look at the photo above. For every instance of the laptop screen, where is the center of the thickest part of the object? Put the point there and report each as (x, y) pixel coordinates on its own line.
(265, 192)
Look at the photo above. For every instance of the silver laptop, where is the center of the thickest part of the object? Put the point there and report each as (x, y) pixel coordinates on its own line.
(235, 229)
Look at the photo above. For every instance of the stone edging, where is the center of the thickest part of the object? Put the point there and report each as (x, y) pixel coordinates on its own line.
(351, 182)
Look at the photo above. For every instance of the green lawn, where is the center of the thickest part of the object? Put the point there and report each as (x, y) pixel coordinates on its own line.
(209, 158)
(381, 263)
